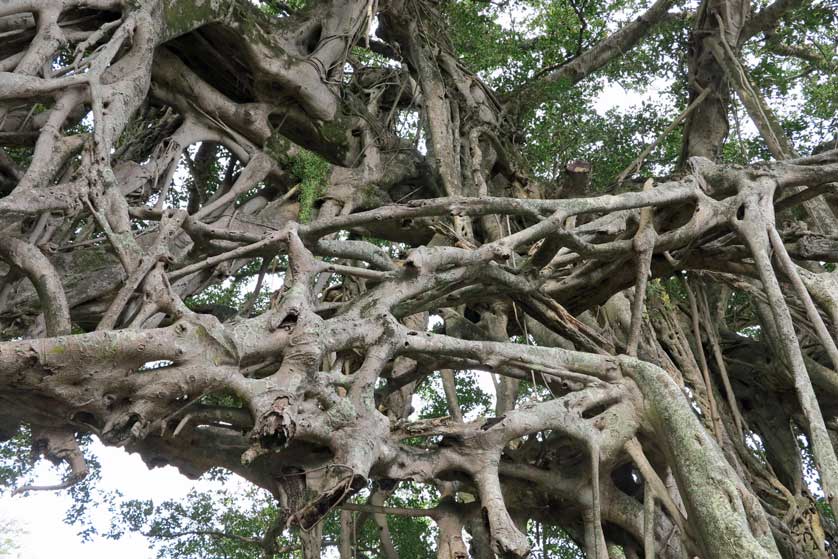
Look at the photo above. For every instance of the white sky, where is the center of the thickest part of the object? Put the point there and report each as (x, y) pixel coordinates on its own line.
(40, 515)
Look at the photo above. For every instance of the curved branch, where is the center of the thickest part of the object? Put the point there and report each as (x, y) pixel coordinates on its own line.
(43, 276)
(767, 19)
(613, 46)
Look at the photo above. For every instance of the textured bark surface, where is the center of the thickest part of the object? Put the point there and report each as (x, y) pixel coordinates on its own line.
(638, 439)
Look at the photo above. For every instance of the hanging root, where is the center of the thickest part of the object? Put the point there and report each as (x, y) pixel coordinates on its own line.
(57, 445)
(644, 245)
(648, 521)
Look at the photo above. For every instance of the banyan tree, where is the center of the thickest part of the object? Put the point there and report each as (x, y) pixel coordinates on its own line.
(352, 250)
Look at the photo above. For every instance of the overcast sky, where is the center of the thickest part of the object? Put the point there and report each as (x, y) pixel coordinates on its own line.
(40, 515)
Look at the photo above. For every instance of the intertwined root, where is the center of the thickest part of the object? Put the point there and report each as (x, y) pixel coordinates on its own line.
(309, 395)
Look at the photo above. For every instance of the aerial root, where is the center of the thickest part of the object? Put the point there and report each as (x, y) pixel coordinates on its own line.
(57, 445)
